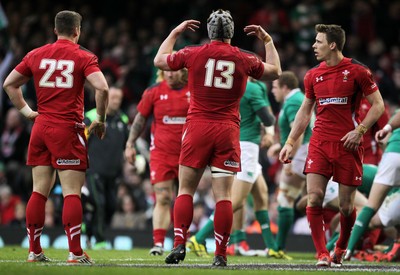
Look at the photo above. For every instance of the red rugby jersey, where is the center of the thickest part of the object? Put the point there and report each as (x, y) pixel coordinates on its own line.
(338, 91)
(169, 108)
(217, 79)
(59, 71)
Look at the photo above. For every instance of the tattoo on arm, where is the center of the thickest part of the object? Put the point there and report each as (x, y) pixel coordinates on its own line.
(137, 127)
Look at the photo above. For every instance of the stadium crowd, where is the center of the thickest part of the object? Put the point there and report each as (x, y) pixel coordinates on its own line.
(125, 35)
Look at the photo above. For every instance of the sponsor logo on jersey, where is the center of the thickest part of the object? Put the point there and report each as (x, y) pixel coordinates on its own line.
(68, 161)
(231, 163)
(163, 97)
(318, 79)
(333, 100)
(174, 120)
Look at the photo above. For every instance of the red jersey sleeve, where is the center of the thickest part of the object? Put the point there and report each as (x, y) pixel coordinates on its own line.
(23, 67)
(256, 66)
(180, 59)
(146, 104)
(92, 66)
(366, 81)
(308, 87)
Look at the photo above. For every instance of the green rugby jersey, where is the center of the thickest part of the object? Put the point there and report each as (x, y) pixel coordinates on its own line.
(288, 112)
(254, 98)
(393, 144)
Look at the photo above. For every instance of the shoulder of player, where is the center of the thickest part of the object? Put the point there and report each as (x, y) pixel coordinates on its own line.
(358, 65)
(245, 52)
(153, 88)
(85, 51)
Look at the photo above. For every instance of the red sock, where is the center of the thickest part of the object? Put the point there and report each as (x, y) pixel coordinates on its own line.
(316, 222)
(183, 216)
(371, 239)
(72, 221)
(223, 217)
(159, 236)
(346, 225)
(35, 220)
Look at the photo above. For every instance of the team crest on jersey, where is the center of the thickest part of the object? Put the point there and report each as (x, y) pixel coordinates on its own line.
(309, 162)
(333, 100)
(345, 74)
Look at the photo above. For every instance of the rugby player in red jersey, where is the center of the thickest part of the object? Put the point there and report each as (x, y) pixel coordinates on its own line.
(218, 75)
(58, 143)
(336, 86)
(168, 102)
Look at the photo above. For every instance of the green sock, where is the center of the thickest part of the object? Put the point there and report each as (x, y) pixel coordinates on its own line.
(236, 237)
(360, 226)
(206, 230)
(331, 244)
(285, 222)
(263, 218)
(240, 236)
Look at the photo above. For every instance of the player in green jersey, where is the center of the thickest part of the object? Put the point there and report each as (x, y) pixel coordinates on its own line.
(286, 91)
(388, 176)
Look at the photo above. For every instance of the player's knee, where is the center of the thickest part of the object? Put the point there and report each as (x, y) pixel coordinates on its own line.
(287, 194)
(315, 199)
(283, 200)
(346, 209)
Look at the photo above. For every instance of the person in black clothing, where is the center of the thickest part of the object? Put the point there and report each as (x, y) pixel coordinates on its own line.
(106, 162)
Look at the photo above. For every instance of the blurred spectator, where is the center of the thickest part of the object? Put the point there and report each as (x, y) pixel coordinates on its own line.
(8, 203)
(50, 215)
(13, 144)
(19, 215)
(127, 217)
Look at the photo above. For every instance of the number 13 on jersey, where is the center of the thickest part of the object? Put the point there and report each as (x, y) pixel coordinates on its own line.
(227, 68)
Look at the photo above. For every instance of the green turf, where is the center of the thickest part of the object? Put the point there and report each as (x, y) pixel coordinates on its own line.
(113, 262)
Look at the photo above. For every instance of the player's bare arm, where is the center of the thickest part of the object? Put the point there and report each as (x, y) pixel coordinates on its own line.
(99, 83)
(136, 129)
(166, 48)
(12, 86)
(272, 64)
(352, 139)
(300, 123)
(392, 125)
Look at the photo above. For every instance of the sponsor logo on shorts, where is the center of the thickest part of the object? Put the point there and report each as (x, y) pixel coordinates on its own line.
(231, 163)
(174, 120)
(68, 161)
(358, 178)
(333, 100)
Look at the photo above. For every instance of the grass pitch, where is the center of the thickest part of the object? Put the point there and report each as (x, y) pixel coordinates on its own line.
(138, 261)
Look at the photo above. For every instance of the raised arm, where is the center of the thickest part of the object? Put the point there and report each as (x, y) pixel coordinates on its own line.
(167, 46)
(272, 64)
